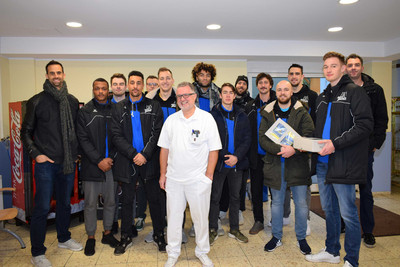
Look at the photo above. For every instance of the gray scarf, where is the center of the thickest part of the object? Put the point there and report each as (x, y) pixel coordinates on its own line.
(67, 123)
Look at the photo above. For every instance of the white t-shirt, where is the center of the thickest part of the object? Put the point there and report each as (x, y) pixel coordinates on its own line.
(189, 142)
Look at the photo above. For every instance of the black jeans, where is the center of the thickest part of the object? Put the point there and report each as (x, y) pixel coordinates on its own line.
(257, 183)
(234, 182)
(153, 193)
(367, 200)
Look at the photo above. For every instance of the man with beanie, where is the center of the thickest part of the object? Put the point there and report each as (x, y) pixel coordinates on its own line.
(243, 96)
(48, 134)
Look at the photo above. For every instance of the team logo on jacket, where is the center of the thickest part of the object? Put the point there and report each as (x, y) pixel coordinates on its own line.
(148, 109)
(342, 97)
(305, 99)
(173, 105)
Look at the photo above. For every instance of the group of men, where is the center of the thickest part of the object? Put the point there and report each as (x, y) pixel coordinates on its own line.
(192, 140)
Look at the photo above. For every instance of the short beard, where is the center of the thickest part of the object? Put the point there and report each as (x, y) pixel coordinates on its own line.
(285, 102)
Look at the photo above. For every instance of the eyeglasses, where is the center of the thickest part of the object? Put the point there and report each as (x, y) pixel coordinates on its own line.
(185, 96)
(152, 84)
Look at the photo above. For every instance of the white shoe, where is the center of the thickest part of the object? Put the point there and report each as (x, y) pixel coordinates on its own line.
(184, 237)
(220, 230)
(286, 221)
(347, 264)
(191, 231)
(323, 256)
(40, 261)
(308, 232)
(71, 245)
(149, 237)
(241, 218)
(170, 262)
(222, 214)
(205, 260)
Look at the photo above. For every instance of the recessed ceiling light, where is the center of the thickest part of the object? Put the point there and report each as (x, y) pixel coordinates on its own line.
(347, 2)
(74, 24)
(335, 29)
(213, 27)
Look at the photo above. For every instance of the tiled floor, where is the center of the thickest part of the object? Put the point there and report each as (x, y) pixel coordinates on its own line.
(225, 251)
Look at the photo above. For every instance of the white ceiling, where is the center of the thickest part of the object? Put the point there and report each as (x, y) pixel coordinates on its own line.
(374, 23)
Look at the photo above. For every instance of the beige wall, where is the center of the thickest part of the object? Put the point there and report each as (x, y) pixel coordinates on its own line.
(26, 76)
(5, 94)
(381, 72)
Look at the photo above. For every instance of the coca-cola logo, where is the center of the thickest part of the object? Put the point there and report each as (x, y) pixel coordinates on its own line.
(16, 165)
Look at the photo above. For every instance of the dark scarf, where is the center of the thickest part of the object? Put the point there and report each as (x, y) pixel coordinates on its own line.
(67, 123)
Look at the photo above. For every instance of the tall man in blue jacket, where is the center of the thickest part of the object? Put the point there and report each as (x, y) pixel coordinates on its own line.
(344, 120)
(136, 126)
(94, 136)
(266, 95)
(48, 134)
(234, 131)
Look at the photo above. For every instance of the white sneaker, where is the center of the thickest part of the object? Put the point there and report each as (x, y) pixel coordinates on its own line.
(40, 261)
(184, 237)
(286, 221)
(220, 230)
(191, 231)
(241, 218)
(170, 262)
(205, 260)
(149, 237)
(222, 214)
(71, 245)
(323, 256)
(308, 232)
(347, 264)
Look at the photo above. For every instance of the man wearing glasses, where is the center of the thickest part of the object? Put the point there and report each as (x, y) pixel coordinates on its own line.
(151, 83)
(189, 142)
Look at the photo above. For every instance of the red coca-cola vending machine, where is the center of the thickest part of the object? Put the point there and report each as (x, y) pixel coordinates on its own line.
(22, 171)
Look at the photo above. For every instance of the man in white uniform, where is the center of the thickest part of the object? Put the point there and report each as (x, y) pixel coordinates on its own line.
(189, 142)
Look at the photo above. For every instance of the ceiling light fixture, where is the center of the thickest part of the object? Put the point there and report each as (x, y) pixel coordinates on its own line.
(74, 24)
(214, 27)
(335, 29)
(347, 2)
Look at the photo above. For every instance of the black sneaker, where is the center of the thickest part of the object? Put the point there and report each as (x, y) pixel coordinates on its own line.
(272, 244)
(304, 247)
(134, 231)
(90, 247)
(109, 239)
(114, 228)
(159, 240)
(124, 244)
(369, 240)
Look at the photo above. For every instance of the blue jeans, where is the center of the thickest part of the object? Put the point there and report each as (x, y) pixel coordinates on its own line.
(49, 177)
(336, 200)
(301, 209)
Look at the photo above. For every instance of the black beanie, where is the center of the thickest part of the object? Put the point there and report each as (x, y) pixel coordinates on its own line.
(242, 78)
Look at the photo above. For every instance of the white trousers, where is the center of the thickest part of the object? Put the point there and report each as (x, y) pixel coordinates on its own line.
(197, 194)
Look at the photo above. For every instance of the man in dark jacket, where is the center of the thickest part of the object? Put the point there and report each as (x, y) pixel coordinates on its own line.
(354, 68)
(94, 136)
(266, 95)
(136, 126)
(234, 131)
(344, 120)
(48, 134)
(243, 96)
(284, 167)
